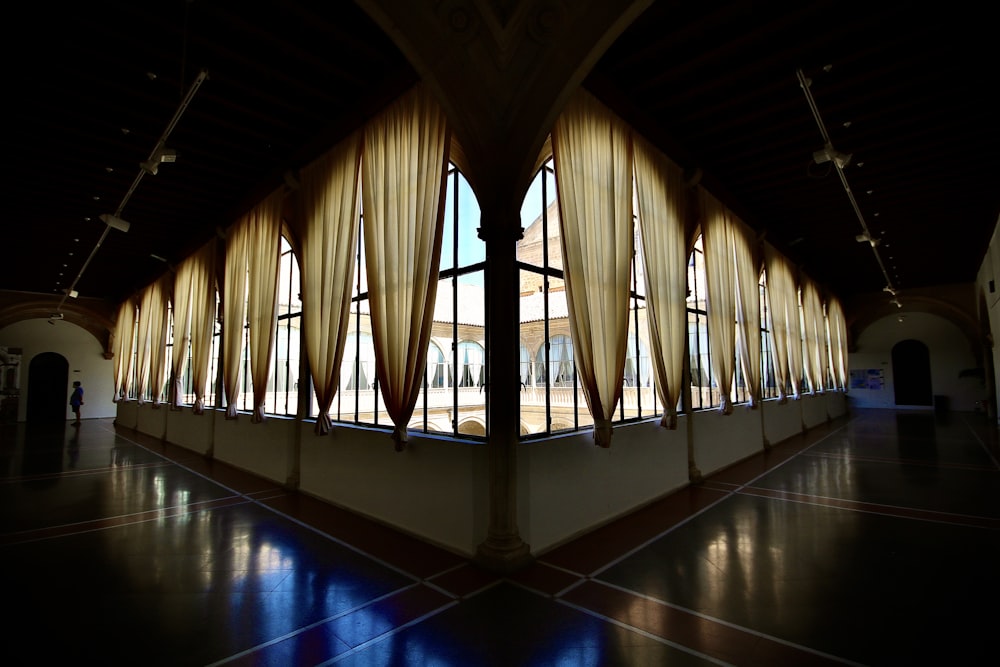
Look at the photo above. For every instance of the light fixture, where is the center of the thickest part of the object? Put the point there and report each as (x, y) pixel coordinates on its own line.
(867, 238)
(889, 289)
(895, 301)
(114, 222)
(71, 293)
(152, 165)
(828, 153)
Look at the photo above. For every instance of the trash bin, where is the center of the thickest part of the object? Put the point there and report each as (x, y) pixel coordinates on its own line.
(941, 404)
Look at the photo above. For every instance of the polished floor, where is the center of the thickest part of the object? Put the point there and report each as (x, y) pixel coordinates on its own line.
(873, 540)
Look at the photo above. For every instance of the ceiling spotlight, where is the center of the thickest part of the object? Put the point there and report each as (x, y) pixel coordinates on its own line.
(152, 165)
(115, 222)
(867, 238)
(828, 153)
(71, 293)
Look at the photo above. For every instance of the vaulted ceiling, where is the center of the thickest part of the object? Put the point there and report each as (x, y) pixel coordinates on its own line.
(902, 89)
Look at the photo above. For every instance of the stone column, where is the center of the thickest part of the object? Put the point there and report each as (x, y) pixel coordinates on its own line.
(503, 550)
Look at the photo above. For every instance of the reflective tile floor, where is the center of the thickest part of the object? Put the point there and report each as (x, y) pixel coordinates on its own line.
(873, 540)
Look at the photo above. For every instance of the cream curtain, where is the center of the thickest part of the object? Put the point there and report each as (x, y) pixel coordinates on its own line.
(204, 303)
(592, 152)
(403, 183)
(264, 237)
(660, 195)
(718, 238)
(796, 351)
(747, 309)
(234, 305)
(838, 342)
(812, 320)
(182, 326)
(783, 307)
(331, 206)
(158, 344)
(151, 342)
(124, 349)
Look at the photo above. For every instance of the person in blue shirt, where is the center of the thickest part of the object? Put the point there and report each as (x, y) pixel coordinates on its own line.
(76, 400)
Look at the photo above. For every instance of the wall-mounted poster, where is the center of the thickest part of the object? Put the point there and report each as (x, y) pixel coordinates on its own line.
(868, 378)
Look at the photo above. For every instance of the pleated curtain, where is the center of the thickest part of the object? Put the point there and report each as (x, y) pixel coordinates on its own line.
(660, 194)
(124, 350)
(151, 342)
(204, 303)
(263, 256)
(784, 306)
(182, 327)
(331, 205)
(158, 342)
(592, 152)
(747, 309)
(234, 306)
(796, 350)
(718, 238)
(814, 336)
(838, 342)
(403, 184)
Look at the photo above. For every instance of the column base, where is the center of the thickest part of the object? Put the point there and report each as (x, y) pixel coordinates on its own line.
(503, 556)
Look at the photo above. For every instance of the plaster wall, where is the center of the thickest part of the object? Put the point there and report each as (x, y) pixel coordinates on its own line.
(721, 440)
(949, 355)
(567, 485)
(84, 353)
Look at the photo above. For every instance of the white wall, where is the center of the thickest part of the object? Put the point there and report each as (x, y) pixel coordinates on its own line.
(84, 353)
(721, 440)
(781, 420)
(949, 355)
(989, 272)
(567, 484)
(438, 488)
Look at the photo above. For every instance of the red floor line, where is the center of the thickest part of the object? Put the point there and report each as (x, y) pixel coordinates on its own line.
(64, 530)
(696, 632)
(912, 462)
(874, 508)
(80, 472)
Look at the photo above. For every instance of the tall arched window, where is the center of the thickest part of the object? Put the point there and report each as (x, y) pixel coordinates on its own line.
(545, 327)
(283, 383)
(525, 366)
(437, 367)
(638, 371)
(459, 314)
(704, 389)
(470, 364)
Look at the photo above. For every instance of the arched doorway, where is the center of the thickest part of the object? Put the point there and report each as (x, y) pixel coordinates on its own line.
(48, 397)
(989, 403)
(911, 373)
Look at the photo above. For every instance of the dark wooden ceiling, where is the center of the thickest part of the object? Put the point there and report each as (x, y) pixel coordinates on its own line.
(904, 89)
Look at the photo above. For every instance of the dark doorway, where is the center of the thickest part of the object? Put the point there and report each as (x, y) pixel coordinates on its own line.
(48, 393)
(911, 373)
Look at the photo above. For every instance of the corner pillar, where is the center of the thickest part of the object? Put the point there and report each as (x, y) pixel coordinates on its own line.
(503, 550)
